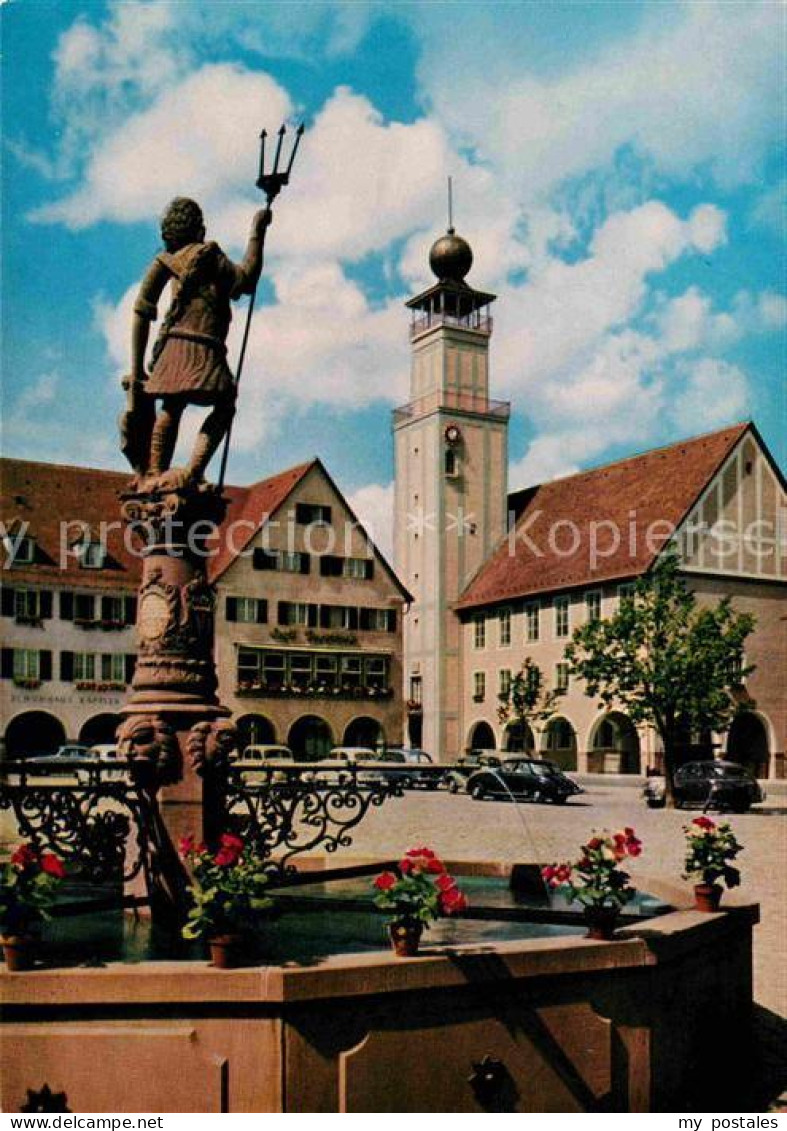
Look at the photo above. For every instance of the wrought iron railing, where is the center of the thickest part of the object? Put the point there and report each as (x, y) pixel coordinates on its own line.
(87, 812)
(290, 809)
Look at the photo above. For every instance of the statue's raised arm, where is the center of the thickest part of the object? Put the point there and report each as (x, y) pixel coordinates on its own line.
(188, 362)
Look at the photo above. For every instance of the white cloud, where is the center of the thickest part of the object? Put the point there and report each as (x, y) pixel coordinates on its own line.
(713, 393)
(373, 504)
(192, 141)
(695, 85)
(770, 210)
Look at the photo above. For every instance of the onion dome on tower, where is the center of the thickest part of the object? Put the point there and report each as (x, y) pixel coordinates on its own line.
(451, 301)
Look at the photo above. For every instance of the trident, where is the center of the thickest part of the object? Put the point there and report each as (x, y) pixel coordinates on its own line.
(271, 184)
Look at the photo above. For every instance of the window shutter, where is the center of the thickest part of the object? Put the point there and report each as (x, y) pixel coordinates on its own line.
(66, 606)
(284, 612)
(45, 665)
(352, 618)
(313, 615)
(45, 599)
(325, 616)
(391, 620)
(369, 574)
(131, 663)
(8, 601)
(263, 559)
(7, 670)
(262, 611)
(66, 667)
(328, 565)
(130, 610)
(364, 619)
(306, 564)
(106, 608)
(231, 609)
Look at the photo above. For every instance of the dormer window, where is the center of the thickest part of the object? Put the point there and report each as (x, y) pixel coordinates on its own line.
(20, 551)
(92, 555)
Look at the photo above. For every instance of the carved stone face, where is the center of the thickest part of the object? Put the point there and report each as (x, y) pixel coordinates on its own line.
(151, 746)
(211, 744)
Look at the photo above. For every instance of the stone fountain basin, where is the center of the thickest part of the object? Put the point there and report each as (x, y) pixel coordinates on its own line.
(649, 1022)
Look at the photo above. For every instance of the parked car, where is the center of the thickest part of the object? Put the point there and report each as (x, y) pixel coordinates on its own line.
(707, 785)
(405, 765)
(53, 763)
(107, 753)
(527, 778)
(455, 779)
(256, 758)
(333, 769)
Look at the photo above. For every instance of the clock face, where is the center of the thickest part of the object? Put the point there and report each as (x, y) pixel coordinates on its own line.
(452, 434)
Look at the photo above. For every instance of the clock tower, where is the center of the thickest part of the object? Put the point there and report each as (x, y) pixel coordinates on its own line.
(451, 487)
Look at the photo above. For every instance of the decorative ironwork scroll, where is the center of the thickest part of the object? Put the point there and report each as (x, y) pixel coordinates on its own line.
(289, 810)
(95, 824)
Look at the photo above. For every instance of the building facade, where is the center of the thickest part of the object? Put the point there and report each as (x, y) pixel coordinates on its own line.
(308, 615)
(569, 551)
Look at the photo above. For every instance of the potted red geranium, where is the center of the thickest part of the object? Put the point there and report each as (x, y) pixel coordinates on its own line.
(228, 893)
(596, 881)
(420, 891)
(709, 848)
(29, 882)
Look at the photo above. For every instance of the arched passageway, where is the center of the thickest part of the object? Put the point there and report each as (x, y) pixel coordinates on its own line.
(482, 737)
(33, 733)
(614, 745)
(364, 731)
(518, 738)
(255, 730)
(100, 730)
(559, 743)
(310, 739)
(747, 743)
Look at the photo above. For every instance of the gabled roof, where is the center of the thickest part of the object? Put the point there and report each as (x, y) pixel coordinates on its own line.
(629, 496)
(44, 495)
(252, 507)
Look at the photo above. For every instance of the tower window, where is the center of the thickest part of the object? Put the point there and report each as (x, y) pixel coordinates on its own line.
(479, 631)
(451, 463)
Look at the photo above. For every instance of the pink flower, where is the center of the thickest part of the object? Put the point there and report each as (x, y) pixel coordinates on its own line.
(385, 881)
(704, 823)
(445, 882)
(452, 901)
(230, 851)
(52, 865)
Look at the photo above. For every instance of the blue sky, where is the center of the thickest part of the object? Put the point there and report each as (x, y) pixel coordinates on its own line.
(618, 168)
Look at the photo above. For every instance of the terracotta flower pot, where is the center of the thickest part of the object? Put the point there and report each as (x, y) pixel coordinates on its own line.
(19, 951)
(406, 937)
(601, 922)
(708, 896)
(226, 951)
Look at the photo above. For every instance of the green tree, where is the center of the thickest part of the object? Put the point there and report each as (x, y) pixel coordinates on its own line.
(527, 699)
(665, 659)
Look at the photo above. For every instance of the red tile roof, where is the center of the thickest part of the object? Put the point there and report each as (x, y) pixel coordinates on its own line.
(253, 506)
(46, 494)
(631, 494)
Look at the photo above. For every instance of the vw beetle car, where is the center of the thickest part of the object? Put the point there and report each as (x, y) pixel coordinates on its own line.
(707, 785)
(526, 778)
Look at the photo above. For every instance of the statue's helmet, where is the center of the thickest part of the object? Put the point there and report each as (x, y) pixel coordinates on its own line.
(182, 223)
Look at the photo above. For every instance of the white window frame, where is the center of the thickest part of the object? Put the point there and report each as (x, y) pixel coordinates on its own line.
(246, 609)
(533, 621)
(479, 631)
(595, 596)
(27, 663)
(84, 670)
(113, 667)
(354, 568)
(479, 687)
(504, 619)
(562, 611)
(298, 613)
(561, 676)
(504, 678)
(27, 603)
